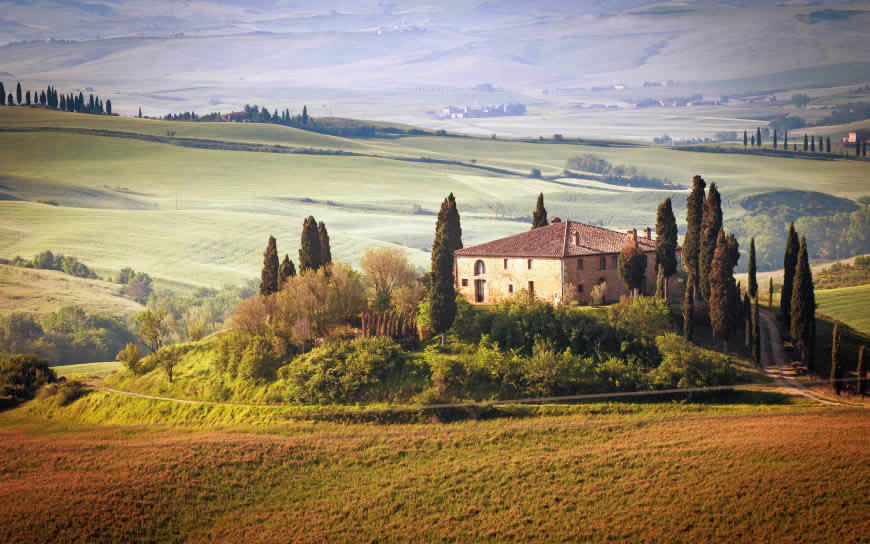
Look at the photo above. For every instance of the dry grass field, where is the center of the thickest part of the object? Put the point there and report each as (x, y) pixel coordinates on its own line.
(792, 476)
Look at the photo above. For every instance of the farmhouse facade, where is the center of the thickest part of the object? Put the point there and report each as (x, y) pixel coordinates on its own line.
(559, 263)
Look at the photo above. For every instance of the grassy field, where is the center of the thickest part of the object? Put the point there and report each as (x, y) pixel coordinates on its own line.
(847, 304)
(100, 370)
(44, 291)
(201, 216)
(757, 476)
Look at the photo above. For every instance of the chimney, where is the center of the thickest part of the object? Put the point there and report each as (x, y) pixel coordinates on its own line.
(555, 220)
(632, 233)
(648, 233)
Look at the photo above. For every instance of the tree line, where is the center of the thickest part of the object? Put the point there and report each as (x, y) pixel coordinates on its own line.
(810, 143)
(50, 98)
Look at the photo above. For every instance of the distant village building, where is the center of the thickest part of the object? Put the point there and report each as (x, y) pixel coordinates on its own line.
(558, 263)
(857, 136)
(235, 117)
(491, 110)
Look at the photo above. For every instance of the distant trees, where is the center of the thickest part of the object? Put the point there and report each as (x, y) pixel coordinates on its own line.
(774, 138)
(18, 93)
(785, 141)
(803, 307)
(806, 143)
(310, 248)
(758, 136)
(745, 139)
(813, 144)
(711, 225)
(539, 217)
(789, 262)
(666, 243)
(50, 98)
(269, 275)
(2, 94)
(828, 145)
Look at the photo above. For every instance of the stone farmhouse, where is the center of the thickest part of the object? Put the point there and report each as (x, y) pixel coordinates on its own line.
(559, 263)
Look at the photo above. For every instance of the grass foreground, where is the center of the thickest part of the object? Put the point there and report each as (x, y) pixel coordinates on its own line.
(793, 475)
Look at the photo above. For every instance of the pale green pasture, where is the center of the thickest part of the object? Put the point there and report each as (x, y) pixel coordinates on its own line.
(87, 369)
(851, 305)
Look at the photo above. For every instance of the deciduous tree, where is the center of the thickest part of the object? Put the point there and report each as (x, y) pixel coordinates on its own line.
(631, 265)
(387, 269)
(153, 328)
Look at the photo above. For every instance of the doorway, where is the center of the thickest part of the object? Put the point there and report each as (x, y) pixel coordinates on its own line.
(480, 290)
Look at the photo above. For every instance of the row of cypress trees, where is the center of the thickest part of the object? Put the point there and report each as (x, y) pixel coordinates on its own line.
(49, 97)
(314, 253)
(809, 141)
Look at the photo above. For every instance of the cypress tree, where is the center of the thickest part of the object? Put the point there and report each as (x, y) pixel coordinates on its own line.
(711, 226)
(269, 275)
(304, 115)
(109, 107)
(813, 144)
(803, 305)
(689, 309)
(770, 293)
(18, 92)
(752, 283)
(9, 100)
(789, 262)
(836, 364)
(631, 264)
(719, 302)
(442, 298)
(660, 283)
(325, 250)
(758, 136)
(449, 216)
(140, 112)
(285, 271)
(828, 145)
(27, 97)
(745, 140)
(666, 243)
(774, 138)
(692, 240)
(785, 140)
(539, 217)
(747, 320)
(2, 94)
(806, 143)
(752, 141)
(756, 337)
(309, 249)
(861, 385)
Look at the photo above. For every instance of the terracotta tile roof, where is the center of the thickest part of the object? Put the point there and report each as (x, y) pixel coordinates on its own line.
(558, 240)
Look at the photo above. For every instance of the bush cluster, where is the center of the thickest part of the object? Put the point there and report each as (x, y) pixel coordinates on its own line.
(21, 376)
(49, 261)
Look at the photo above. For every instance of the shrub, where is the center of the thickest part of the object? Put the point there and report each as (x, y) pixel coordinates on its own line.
(598, 295)
(130, 357)
(251, 356)
(343, 371)
(21, 376)
(68, 391)
(686, 365)
(643, 316)
(549, 372)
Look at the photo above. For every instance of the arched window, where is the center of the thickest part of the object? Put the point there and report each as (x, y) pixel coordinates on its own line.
(479, 268)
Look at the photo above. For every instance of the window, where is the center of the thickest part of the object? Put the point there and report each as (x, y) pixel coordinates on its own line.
(579, 264)
(465, 282)
(510, 288)
(614, 261)
(602, 263)
(580, 288)
(529, 264)
(532, 288)
(505, 264)
(479, 268)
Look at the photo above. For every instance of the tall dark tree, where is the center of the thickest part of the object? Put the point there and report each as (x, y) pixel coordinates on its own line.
(660, 284)
(689, 309)
(2, 94)
(269, 275)
(828, 145)
(803, 311)
(666, 242)
(752, 282)
(631, 265)
(785, 140)
(285, 271)
(745, 139)
(27, 98)
(711, 226)
(747, 320)
(770, 293)
(449, 215)
(108, 107)
(692, 240)
(539, 217)
(813, 144)
(756, 336)
(442, 296)
(774, 138)
(836, 363)
(806, 142)
(758, 136)
(789, 262)
(304, 115)
(140, 112)
(861, 385)
(325, 250)
(18, 93)
(309, 249)
(722, 293)
(9, 100)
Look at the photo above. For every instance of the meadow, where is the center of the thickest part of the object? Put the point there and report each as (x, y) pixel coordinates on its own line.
(86, 370)
(44, 291)
(846, 304)
(786, 475)
(200, 216)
